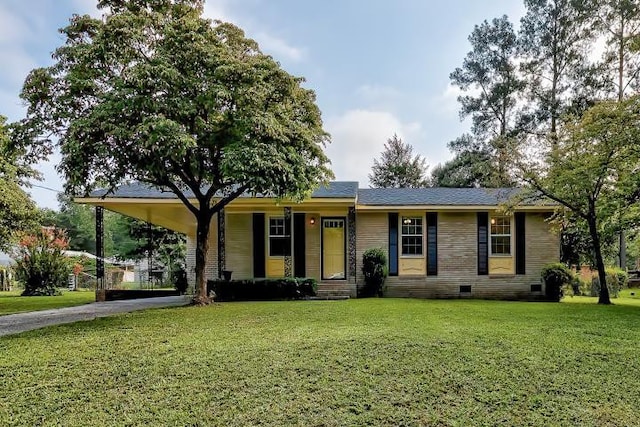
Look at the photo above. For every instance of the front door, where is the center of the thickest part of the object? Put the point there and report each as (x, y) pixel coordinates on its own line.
(333, 243)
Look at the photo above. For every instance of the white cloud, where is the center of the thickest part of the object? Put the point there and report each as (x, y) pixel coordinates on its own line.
(269, 43)
(88, 7)
(358, 137)
(448, 99)
(279, 48)
(218, 10)
(379, 96)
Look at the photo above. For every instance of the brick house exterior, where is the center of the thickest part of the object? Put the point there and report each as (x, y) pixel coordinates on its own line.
(440, 242)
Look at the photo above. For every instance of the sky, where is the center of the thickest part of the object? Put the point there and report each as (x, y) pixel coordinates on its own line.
(378, 67)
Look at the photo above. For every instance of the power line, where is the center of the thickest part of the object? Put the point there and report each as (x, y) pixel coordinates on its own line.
(47, 188)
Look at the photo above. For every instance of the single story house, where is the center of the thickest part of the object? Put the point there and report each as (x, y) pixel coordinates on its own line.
(440, 242)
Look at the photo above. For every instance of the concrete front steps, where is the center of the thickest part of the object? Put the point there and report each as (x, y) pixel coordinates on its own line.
(336, 289)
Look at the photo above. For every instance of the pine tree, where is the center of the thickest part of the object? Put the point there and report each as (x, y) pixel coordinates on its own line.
(398, 168)
(554, 39)
(491, 85)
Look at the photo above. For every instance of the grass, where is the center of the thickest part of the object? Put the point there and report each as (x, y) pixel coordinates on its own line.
(355, 362)
(11, 302)
(629, 297)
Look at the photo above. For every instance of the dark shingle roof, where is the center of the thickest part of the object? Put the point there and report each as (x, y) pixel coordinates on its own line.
(137, 190)
(437, 196)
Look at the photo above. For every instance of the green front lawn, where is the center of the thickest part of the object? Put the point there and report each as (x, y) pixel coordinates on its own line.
(12, 302)
(630, 297)
(355, 362)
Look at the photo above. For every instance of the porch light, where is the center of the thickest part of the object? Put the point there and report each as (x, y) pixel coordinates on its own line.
(493, 221)
(407, 221)
(312, 221)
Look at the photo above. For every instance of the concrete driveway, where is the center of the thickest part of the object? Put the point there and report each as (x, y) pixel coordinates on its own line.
(21, 322)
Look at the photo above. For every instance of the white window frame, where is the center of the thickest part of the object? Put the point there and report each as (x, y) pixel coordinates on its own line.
(277, 236)
(421, 235)
(509, 235)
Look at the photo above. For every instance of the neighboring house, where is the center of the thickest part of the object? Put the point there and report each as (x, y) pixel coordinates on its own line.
(440, 242)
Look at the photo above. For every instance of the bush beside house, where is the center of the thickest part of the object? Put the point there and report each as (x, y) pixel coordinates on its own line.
(262, 289)
(374, 268)
(556, 276)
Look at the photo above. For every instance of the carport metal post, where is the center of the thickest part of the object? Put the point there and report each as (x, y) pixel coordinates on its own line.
(99, 248)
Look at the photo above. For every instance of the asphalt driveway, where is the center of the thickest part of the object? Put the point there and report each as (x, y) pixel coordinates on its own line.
(21, 322)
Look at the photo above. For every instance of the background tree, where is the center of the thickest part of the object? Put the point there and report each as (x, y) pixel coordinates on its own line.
(554, 38)
(591, 170)
(468, 169)
(154, 92)
(398, 168)
(125, 238)
(146, 240)
(491, 86)
(619, 24)
(18, 213)
(78, 221)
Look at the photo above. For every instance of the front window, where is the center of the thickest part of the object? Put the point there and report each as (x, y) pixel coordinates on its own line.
(501, 235)
(279, 242)
(411, 235)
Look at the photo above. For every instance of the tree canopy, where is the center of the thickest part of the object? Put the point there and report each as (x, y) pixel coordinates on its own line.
(17, 210)
(490, 83)
(468, 169)
(154, 92)
(398, 167)
(591, 170)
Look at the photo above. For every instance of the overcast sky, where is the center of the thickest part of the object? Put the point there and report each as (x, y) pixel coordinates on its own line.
(378, 67)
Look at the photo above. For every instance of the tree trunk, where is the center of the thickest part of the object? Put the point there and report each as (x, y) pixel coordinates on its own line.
(202, 249)
(602, 276)
(622, 255)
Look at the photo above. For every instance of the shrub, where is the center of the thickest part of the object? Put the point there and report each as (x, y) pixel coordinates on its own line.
(179, 279)
(617, 279)
(576, 285)
(579, 286)
(40, 263)
(374, 268)
(619, 276)
(262, 289)
(556, 276)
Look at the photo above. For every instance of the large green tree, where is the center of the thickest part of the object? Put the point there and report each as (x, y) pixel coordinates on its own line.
(17, 210)
(154, 92)
(398, 167)
(554, 40)
(619, 24)
(468, 169)
(591, 169)
(491, 87)
(146, 240)
(77, 220)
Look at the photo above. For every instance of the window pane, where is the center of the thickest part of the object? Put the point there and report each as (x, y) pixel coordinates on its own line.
(411, 225)
(501, 245)
(276, 227)
(501, 225)
(279, 246)
(411, 228)
(411, 245)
